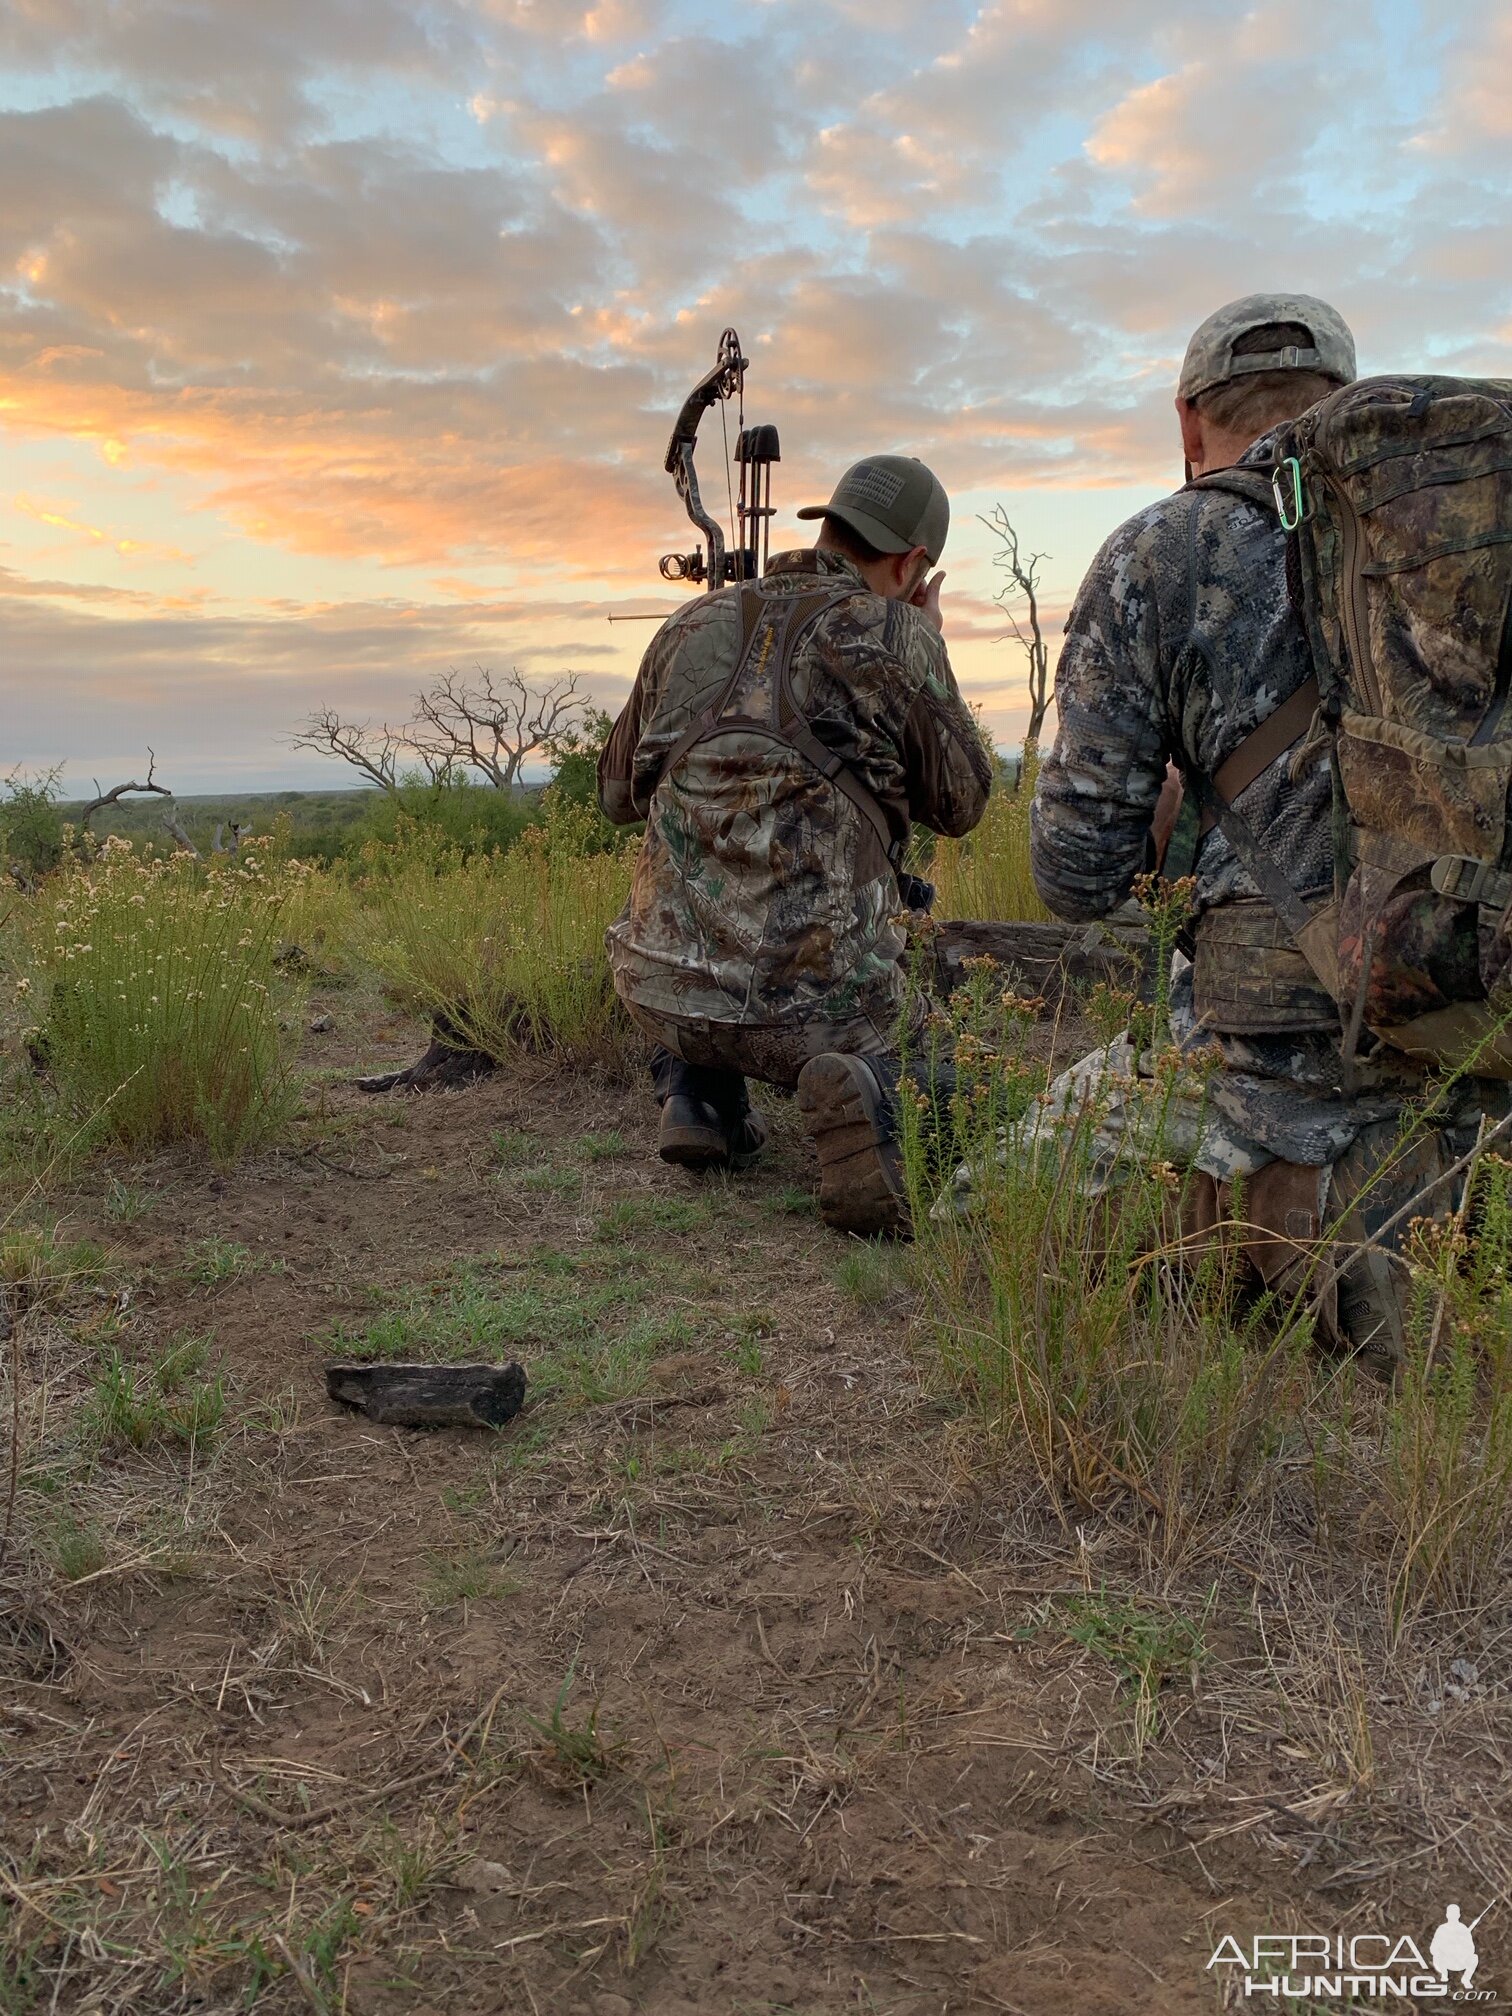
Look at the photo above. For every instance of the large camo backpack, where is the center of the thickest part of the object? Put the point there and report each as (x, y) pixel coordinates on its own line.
(1397, 495)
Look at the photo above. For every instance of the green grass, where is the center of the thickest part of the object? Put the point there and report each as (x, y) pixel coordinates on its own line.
(164, 1402)
(581, 1326)
(512, 1148)
(508, 948)
(865, 1273)
(158, 1021)
(127, 1203)
(610, 1147)
(1146, 1647)
(987, 874)
(635, 1215)
(473, 1576)
(790, 1201)
(209, 1262)
(78, 1550)
(574, 1748)
(47, 1269)
(552, 1182)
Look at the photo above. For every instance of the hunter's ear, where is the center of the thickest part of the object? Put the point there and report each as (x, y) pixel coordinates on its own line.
(1193, 445)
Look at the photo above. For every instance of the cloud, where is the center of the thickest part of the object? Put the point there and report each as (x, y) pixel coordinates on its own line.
(1475, 106)
(309, 305)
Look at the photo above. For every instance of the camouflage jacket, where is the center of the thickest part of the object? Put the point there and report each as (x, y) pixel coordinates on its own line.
(761, 893)
(1183, 638)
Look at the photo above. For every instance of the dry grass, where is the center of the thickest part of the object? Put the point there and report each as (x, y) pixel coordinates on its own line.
(506, 951)
(987, 874)
(753, 1653)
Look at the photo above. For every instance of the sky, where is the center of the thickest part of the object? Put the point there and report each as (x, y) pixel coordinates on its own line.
(340, 339)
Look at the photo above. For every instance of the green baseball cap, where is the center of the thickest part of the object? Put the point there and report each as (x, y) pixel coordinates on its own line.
(893, 502)
(1210, 358)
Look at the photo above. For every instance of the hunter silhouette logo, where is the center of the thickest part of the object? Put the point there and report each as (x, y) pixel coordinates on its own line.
(1452, 1948)
(1358, 1967)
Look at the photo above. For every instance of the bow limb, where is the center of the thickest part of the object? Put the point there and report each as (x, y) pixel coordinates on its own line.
(722, 382)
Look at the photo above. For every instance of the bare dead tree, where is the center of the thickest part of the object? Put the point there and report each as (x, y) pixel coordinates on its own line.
(233, 846)
(113, 797)
(1022, 586)
(493, 727)
(373, 751)
(174, 826)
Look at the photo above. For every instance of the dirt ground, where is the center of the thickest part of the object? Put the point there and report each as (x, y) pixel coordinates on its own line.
(728, 1677)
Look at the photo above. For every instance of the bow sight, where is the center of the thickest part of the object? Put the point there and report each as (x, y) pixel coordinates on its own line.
(756, 449)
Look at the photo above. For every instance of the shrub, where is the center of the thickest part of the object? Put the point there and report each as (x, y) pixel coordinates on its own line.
(470, 817)
(503, 951)
(158, 1022)
(32, 834)
(1119, 1376)
(1447, 1477)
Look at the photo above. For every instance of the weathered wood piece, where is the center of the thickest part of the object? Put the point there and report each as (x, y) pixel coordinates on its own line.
(1047, 958)
(447, 1062)
(431, 1396)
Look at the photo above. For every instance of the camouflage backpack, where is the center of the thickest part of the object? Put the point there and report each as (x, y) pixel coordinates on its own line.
(1397, 494)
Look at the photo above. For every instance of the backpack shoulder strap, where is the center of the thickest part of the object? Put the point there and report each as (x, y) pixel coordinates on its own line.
(786, 720)
(792, 725)
(702, 723)
(1253, 485)
(1279, 731)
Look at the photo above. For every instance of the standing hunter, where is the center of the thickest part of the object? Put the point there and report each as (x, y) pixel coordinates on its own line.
(780, 739)
(1320, 820)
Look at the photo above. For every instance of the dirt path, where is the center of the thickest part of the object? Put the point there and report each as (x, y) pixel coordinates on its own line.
(720, 1681)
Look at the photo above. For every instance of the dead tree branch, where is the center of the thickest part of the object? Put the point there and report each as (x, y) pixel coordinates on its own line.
(1023, 582)
(175, 827)
(103, 798)
(373, 751)
(488, 725)
(493, 727)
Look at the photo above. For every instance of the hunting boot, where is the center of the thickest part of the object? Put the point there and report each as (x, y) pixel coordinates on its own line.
(707, 1120)
(848, 1111)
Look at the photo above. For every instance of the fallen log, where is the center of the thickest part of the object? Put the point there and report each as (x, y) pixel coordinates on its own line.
(1045, 958)
(430, 1396)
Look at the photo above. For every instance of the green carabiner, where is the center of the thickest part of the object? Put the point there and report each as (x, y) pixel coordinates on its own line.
(1294, 509)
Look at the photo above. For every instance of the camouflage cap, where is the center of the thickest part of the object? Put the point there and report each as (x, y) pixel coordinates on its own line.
(1210, 358)
(893, 502)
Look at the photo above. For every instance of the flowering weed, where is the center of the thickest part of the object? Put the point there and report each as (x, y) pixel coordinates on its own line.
(157, 1018)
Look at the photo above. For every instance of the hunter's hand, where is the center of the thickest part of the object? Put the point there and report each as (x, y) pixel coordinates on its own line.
(926, 599)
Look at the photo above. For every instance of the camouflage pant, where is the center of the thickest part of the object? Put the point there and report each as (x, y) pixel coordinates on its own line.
(722, 1055)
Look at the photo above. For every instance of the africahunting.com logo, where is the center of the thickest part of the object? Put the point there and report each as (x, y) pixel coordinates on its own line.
(1357, 1966)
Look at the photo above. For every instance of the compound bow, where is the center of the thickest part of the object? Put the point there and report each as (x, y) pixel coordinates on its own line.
(751, 512)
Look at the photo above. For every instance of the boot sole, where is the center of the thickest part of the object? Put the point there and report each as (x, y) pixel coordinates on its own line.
(860, 1179)
(694, 1147)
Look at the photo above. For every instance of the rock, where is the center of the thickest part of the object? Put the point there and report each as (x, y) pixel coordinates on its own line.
(612, 2005)
(320, 1024)
(480, 1875)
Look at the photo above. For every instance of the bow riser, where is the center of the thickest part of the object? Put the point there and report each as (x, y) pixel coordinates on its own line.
(756, 450)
